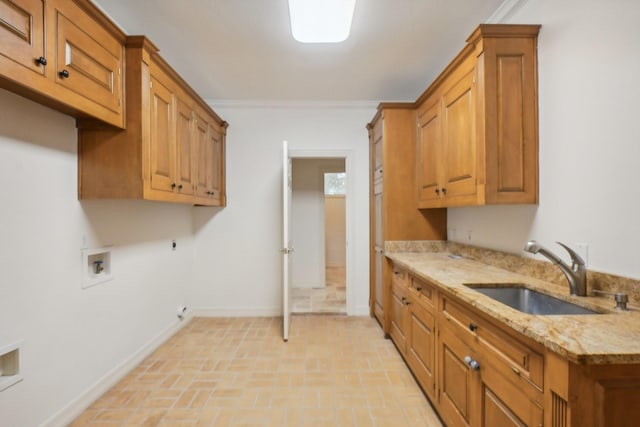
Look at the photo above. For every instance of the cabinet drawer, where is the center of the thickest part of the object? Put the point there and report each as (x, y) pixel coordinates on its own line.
(513, 358)
(425, 293)
(400, 277)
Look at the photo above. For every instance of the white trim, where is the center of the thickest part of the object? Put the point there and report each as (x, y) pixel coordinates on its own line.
(362, 310)
(78, 405)
(236, 312)
(347, 155)
(297, 104)
(309, 285)
(505, 10)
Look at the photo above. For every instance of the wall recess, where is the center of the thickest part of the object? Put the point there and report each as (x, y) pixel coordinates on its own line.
(96, 266)
(9, 365)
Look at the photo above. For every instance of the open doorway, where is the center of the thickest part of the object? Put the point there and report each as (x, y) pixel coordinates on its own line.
(318, 210)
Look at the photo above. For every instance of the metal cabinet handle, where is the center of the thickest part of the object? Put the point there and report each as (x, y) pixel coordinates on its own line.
(180, 187)
(418, 288)
(173, 185)
(41, 60)
(473, 327)
(64, 74)
(473, 364)
(444, 190)
(437, 191)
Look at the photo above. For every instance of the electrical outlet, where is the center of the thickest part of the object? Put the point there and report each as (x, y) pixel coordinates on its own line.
(582, 249)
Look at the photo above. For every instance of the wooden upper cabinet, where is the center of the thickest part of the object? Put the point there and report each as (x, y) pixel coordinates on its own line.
(185, 149)
(22, 36)
(64, 54)
(171, 139)
(162, 146)
(210, 153)
(429, 146)
(477, 123)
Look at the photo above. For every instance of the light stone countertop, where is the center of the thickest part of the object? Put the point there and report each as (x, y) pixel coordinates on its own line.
(609, 338)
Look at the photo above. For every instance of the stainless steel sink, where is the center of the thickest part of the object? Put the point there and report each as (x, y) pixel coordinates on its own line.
(529, 301)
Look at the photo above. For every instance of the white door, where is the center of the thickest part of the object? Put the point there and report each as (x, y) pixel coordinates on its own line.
(286, 240)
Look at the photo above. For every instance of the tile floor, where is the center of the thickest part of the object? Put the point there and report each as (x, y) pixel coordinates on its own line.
(330, 299)
(333, 371)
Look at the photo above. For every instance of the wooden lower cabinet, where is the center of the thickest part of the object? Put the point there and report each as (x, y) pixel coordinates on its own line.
(399, 310)
(421, 345)
(478, 372)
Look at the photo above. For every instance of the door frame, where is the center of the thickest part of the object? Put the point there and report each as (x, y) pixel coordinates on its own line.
(347, 155)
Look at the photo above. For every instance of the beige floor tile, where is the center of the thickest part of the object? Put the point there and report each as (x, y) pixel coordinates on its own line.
(230, 372)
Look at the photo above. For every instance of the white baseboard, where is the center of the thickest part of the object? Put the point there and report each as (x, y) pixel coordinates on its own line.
(236, 311)
(362, 310)
(71, 411)
(309, 285)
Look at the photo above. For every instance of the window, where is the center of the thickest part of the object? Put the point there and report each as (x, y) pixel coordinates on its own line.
(335, 183)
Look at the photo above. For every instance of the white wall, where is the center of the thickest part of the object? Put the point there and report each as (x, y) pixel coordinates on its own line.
(72, 337)
(308, 220)
(589, 138)
(237, 265)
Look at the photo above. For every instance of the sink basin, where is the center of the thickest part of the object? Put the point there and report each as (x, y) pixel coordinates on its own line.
(530, 301)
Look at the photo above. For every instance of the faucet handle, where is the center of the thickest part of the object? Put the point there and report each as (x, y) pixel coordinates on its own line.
(575, 258)
(620, 298)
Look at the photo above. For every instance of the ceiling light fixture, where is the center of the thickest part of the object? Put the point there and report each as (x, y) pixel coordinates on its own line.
(321, 21)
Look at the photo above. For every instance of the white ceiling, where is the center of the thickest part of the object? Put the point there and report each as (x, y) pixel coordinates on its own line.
(242, 50)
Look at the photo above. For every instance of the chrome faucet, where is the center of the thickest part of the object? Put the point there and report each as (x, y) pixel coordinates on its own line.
(576, 274)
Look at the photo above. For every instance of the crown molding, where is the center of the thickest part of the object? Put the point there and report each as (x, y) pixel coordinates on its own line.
(505, 10)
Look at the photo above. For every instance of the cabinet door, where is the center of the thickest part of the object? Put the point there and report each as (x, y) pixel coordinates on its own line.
(504, 404)
(209, 152)
(88, 59)
(214, 168)
(21, 37)
(378, 255)
(378, 288)
(202, 143)
(161, 136)
(184, 149)
(377, 151)
(398, 317)
(459, 138)
(458, 383)
(429, 152)
(421, 347)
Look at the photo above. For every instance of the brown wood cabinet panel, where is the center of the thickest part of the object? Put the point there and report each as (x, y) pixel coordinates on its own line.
(398, 314)
(64, 54)
(429, 168)
(503, 403)
(87, 60)
(378, 294)
(172, 138)
(421, 347)
(459, 139)
(393, 213)
(22, 35)
(486, 141)
(457, 383)
(185, 143)
(162, 145)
